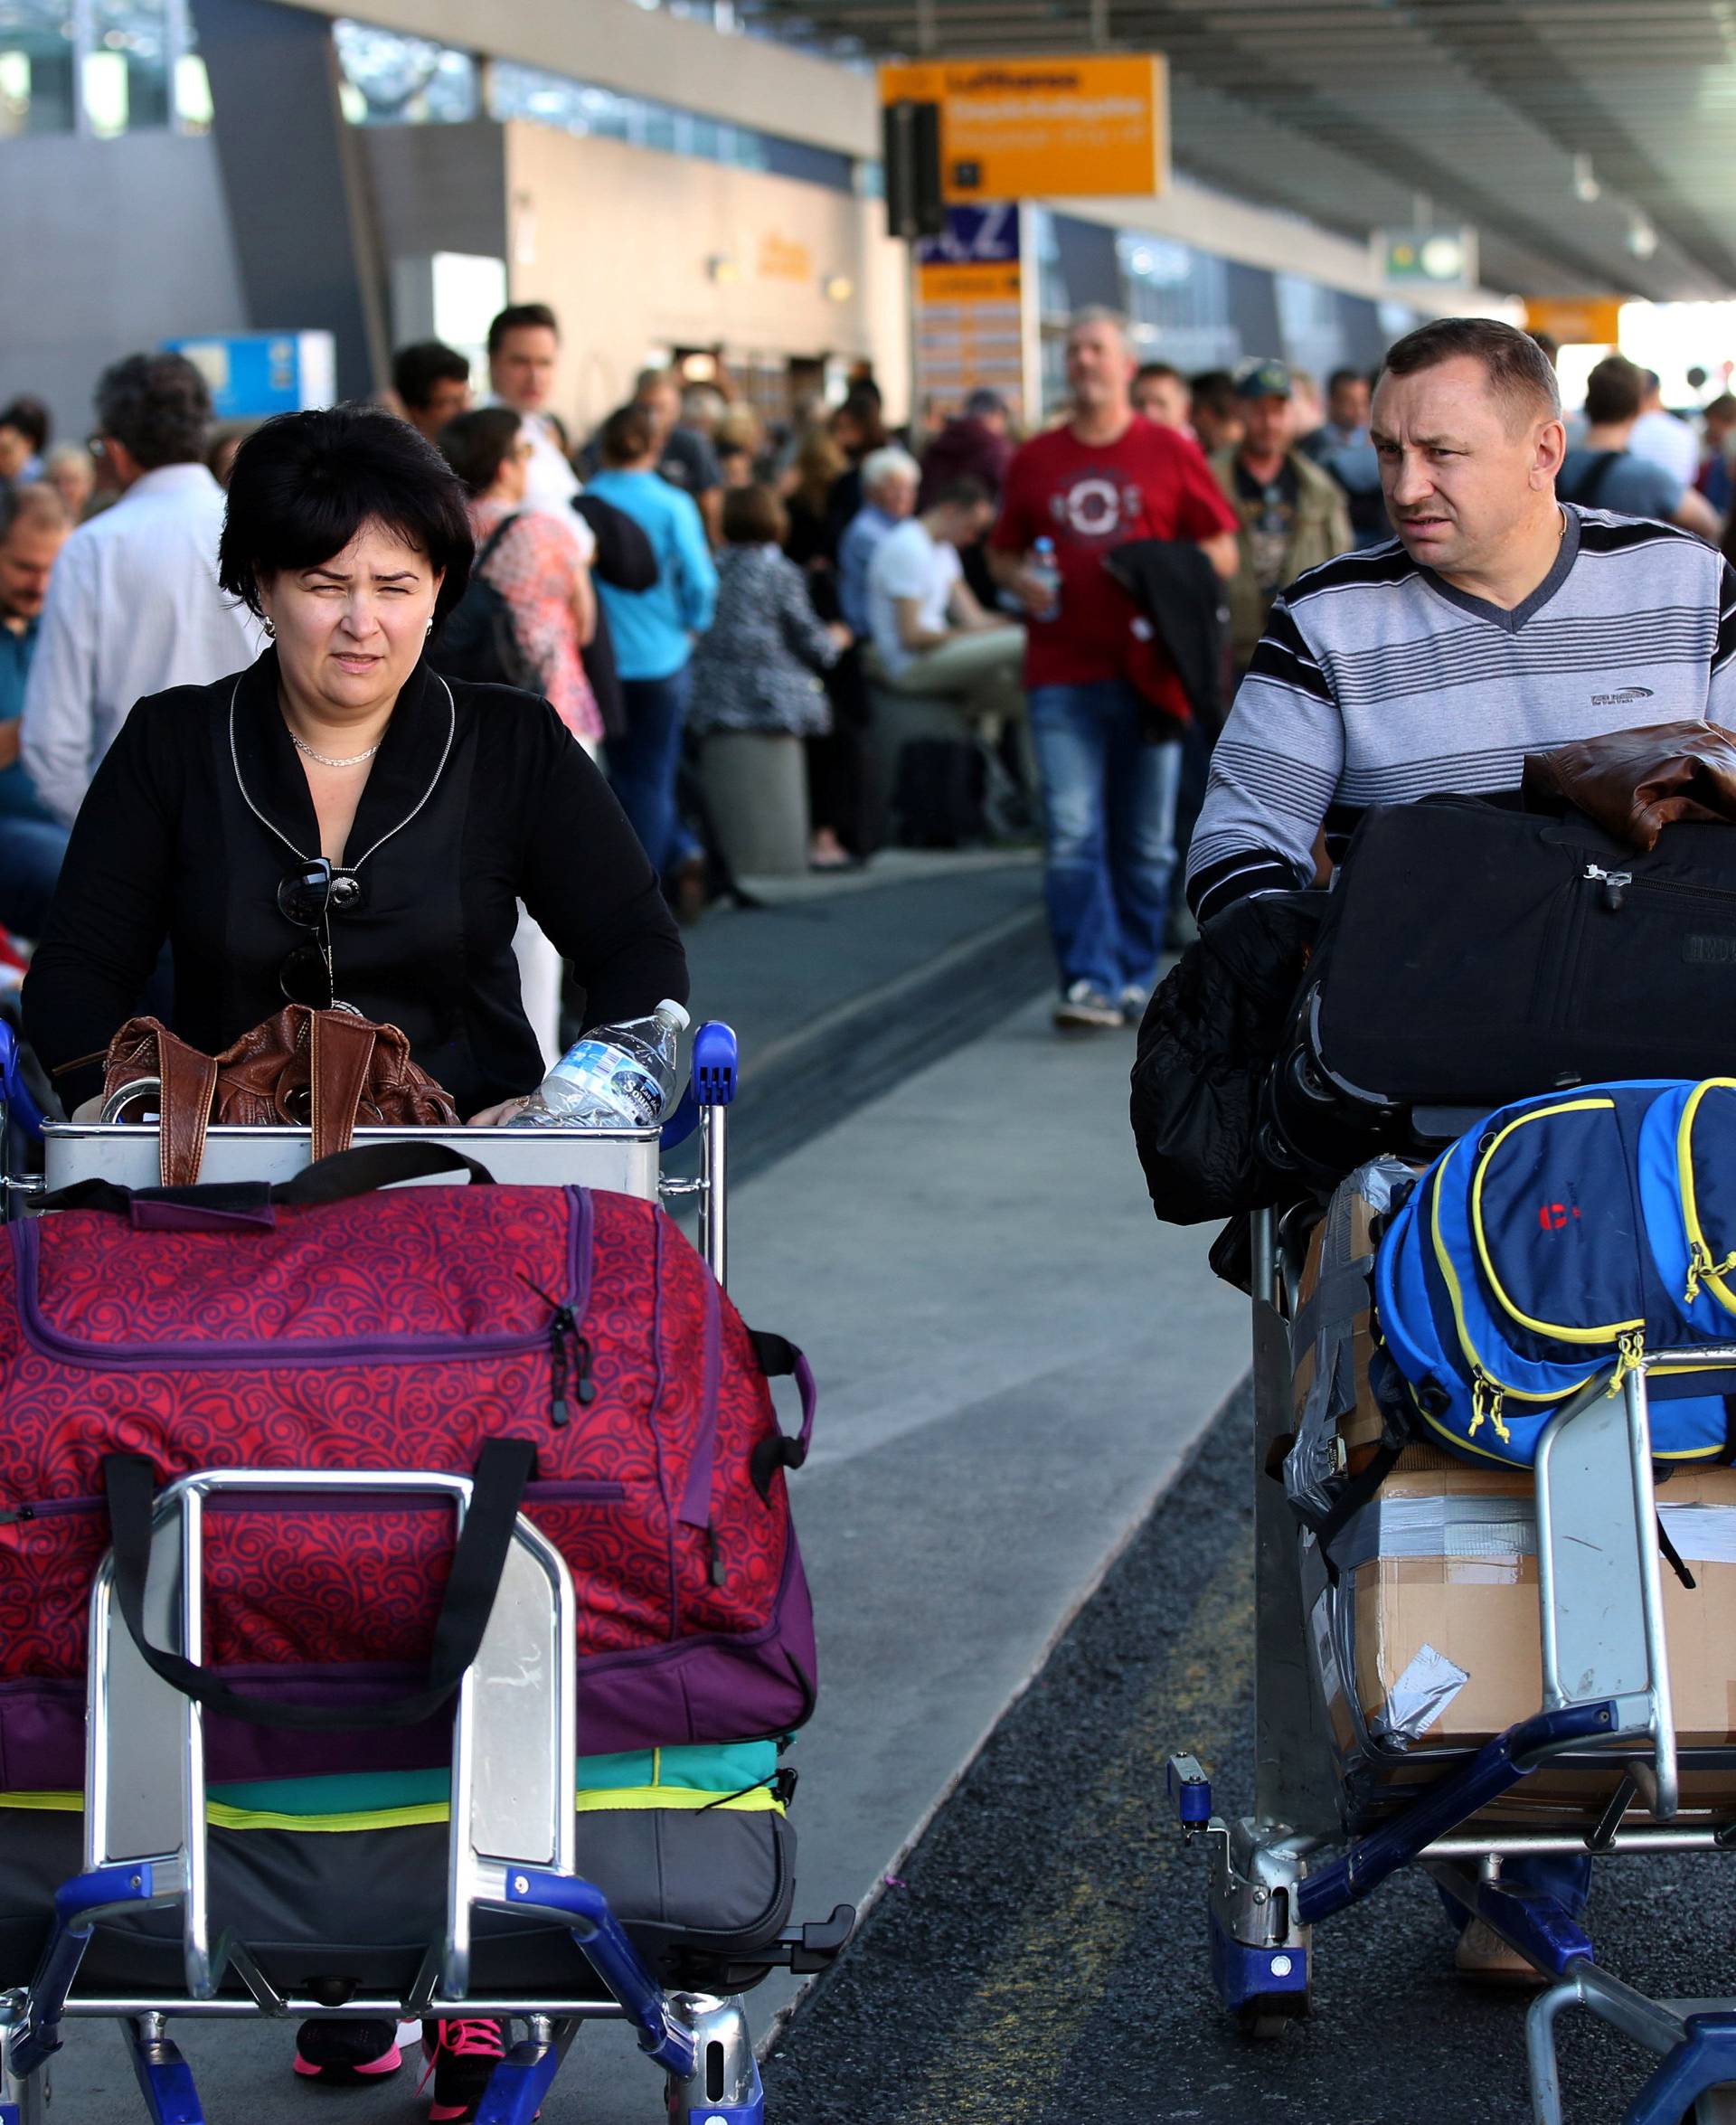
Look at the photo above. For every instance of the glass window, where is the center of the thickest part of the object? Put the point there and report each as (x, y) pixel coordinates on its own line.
(35, 67)
(1312, 324)
(396, 80)
(126, 70)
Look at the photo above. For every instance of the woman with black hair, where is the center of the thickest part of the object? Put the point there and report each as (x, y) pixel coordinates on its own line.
(338, 823)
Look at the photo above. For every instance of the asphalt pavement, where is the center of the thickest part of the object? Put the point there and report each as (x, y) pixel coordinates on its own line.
(1041, 1959)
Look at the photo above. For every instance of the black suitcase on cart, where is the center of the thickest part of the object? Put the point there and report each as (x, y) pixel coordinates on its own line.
(1473, 954)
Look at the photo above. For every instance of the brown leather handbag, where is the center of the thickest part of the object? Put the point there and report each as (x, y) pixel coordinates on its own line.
(326, 1069)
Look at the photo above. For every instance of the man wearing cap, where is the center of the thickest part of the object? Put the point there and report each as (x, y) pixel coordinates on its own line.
(1292, 514)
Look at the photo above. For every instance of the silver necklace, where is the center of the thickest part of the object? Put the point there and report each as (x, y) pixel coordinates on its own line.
(446, 754)
(352, 760)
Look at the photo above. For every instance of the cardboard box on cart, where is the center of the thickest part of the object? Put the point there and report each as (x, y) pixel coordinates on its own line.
(1429, 1643)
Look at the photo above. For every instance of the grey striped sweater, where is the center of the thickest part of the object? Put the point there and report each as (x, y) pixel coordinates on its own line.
(1377, 682)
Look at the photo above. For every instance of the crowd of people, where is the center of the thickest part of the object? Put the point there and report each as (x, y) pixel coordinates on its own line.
(1080, 604)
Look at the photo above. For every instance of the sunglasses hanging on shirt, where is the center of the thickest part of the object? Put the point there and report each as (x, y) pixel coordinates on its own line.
(310, 898)
(319, 888)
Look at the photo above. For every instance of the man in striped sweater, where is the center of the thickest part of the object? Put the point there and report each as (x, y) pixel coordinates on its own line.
(1498, 622)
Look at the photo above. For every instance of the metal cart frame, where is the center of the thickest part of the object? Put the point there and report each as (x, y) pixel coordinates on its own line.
(1273, 1875)
(513, 1826)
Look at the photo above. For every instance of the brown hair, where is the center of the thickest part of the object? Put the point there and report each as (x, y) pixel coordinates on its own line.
(820, 464)
(1614, 391)
(627, 436)
(1518, 370)
(754, 516)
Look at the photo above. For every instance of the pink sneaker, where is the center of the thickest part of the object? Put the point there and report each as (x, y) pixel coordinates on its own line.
(461, 2056)
(341, 2053)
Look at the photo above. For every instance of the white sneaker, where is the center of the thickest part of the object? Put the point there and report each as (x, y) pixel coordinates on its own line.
(1134, 999)
(1085, 1009)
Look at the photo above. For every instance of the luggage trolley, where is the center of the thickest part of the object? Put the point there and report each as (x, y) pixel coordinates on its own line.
(512, 1840)
(1273, 1874)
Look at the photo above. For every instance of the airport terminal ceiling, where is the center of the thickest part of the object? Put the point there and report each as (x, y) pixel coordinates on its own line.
(1591, 143)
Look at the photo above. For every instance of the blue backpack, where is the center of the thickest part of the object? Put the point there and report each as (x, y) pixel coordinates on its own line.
(1565, 1238)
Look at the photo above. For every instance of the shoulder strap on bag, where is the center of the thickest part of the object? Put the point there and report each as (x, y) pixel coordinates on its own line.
(189, 1083)
(493, 539)
(504, 1467)
(340, 1050)
(230, 1206)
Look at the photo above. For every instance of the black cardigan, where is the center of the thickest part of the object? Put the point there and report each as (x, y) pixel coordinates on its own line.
(166, 847)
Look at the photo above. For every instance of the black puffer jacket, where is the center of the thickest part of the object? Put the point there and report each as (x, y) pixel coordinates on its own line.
(1210, 1033)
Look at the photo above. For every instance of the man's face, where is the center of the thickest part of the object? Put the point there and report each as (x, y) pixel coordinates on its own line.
(448, 397)
(964, 524)
(26, 560)
(15, 452)
(1162, 399)
(1460, 469)
(1348, 406)
(895, 496)
(1267, 427)
(522, 371)
(660, 402)
(1099, 369)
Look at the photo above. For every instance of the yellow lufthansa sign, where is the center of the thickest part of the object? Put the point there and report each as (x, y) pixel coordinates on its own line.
(1022, 128)
(1577, 320)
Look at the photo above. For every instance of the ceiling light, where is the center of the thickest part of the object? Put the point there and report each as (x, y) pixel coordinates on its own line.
(1586, 187)
(1642, 237)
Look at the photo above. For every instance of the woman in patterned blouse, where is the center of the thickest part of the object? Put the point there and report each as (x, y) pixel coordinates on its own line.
(540, 565)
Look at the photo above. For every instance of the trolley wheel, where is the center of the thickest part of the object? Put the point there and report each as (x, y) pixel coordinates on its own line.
(1264, 2018)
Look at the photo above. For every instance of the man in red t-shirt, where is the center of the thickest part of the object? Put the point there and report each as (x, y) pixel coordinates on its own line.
(1106, 477)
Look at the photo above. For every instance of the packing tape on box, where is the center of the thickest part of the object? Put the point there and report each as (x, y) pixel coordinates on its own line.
(1485, 1528)
(1417, 1697)
(1479, 1527)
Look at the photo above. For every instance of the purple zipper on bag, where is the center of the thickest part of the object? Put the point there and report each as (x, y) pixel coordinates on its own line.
(50, 1342)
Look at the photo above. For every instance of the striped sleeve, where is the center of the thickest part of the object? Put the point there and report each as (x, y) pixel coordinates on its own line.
(1273, 776)
(1721, 697)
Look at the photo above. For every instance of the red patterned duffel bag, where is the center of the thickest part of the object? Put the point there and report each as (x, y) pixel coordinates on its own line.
(321, 1325)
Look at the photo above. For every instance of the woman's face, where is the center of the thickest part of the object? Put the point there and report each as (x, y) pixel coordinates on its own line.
(349, 630)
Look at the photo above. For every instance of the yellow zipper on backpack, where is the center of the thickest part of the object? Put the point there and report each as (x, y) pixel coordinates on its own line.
(1701, 1268)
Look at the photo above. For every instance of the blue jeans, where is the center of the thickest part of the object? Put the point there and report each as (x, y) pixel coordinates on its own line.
(31, 852)
(643, 764)
(1564, 1876)
(1109, 813)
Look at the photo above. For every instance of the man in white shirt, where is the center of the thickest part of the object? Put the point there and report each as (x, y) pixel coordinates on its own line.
(523, 344)
(1660, 435)
(929, 635)
(133, 607)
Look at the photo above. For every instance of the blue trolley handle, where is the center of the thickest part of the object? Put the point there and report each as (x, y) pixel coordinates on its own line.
(710, 1088)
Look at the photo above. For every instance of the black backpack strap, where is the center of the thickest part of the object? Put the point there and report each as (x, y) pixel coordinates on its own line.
(1357, 1493)
(780, 1359)
(493, 539)
(1592, 481)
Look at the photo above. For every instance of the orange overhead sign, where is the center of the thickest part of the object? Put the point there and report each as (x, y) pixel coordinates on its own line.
(1026, 129)
(1577, 320)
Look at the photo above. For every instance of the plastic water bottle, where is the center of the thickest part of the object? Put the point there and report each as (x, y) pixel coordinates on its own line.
(617, 1077)
(1043, 567)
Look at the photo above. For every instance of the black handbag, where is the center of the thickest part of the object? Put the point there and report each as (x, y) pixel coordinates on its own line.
(1472, 954)
(479, 640)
